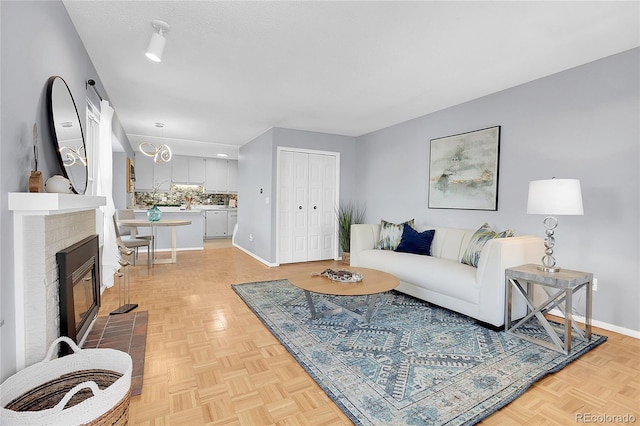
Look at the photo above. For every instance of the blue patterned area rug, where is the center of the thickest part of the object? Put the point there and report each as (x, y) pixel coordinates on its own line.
(414, 363)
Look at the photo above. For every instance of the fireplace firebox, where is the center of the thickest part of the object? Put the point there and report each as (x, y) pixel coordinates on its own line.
(79, 281)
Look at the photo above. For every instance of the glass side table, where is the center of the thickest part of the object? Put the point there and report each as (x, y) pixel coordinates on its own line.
(559, 288)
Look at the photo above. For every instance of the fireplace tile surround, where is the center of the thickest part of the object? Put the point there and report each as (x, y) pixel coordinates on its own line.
(43, 224)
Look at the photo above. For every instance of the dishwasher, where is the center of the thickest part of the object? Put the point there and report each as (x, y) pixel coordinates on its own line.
(216, 224)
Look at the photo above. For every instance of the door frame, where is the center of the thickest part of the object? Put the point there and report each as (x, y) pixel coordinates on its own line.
(279, 149)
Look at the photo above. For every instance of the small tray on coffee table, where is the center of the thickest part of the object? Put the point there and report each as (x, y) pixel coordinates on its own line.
(341, 275)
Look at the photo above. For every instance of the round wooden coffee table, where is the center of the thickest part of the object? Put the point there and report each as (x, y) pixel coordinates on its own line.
(373, 283)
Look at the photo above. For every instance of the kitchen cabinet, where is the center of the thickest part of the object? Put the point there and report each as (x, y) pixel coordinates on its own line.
(196, 170)
(180, 169)
(215, 175)
(144, 172)
(221, 176)
(162, 176)
(232, 176)
(232, 219)
(187, 170)
(216, 223)
(150, 175)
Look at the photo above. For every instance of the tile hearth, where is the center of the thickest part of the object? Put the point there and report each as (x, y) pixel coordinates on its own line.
(127, 333)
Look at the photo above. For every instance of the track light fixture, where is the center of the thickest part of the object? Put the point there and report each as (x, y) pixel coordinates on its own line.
(157, 42)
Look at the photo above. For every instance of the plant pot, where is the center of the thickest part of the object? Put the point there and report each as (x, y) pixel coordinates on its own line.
(346, 258)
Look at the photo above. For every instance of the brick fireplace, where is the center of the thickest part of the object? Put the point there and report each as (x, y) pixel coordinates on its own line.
(44, 224)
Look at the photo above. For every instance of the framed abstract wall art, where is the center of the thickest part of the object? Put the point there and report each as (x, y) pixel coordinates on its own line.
(131, 175)
(463, 170)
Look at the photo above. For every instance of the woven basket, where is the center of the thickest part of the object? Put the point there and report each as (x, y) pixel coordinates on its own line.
(90, 386)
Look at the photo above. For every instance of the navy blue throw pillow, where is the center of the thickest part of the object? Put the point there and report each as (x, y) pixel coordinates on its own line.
(416, 242)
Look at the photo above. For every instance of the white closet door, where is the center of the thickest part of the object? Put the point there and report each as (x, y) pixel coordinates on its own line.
(314, 230)
(322, 216)
(300, 208)
(285, 206)
(306, 206)
(328, 231)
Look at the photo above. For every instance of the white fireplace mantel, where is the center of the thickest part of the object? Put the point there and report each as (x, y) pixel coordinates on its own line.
(42, 203)
(43, 224)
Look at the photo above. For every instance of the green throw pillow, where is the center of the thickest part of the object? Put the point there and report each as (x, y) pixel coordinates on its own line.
(478, 240)
(391, 234)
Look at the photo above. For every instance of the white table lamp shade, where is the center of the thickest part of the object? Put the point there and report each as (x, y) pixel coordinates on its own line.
(555, 197)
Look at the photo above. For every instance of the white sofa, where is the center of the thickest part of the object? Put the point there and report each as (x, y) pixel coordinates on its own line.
(441, 279)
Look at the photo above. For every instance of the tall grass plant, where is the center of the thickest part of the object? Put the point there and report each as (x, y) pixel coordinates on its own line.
(349, 213)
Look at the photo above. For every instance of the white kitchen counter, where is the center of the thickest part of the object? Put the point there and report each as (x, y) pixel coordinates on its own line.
(176, 209)
(215, 207)
(189, 237)
(194, 209)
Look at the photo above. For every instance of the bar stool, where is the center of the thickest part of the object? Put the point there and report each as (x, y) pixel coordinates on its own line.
(133, 243)
(126, 230)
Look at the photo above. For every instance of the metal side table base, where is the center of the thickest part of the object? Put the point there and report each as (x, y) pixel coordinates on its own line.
(370, 302)
(559, 288)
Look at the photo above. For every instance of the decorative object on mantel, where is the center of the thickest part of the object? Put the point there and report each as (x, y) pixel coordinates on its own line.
(463, 171)
(553, 197)
(348, 214)
(58, 184)
(35, 180)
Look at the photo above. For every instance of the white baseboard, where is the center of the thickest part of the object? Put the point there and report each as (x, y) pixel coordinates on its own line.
(179, 249)
(611, 327)
(258, 258)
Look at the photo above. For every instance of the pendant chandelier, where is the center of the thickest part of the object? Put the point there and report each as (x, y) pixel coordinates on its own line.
(161, 153)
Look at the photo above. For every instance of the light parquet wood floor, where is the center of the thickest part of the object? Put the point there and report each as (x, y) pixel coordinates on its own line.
(209, 359)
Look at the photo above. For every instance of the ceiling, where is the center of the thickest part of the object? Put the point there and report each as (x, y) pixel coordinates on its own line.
(232, 70)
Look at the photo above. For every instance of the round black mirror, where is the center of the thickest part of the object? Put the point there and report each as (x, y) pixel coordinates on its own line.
(66, 130)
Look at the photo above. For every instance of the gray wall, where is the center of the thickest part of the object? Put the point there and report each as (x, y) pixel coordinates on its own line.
(257, 168)
(119, 188)
(255, 171)
(38, 40)
(582, 123)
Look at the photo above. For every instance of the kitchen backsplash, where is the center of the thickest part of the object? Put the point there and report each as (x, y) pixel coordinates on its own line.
(176, 196)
